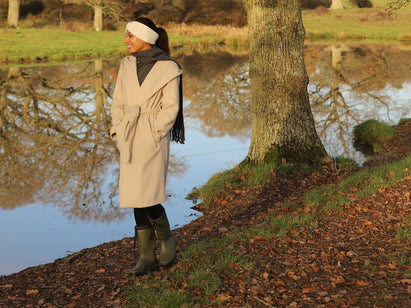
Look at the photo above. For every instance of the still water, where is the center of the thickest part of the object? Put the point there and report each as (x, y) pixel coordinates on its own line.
(59, 169)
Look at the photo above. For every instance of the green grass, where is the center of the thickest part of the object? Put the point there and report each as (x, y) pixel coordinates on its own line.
(373, 134)
(53, 44)
(404, 231)
(352, 24)
(241, 178)
(200, 270)
(365, 183)
(280, 226)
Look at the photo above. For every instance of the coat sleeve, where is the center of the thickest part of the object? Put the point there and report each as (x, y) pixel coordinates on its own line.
(117, 105)
(169, 109)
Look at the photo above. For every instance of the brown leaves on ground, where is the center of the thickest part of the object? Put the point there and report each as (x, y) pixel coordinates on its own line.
(352, 258)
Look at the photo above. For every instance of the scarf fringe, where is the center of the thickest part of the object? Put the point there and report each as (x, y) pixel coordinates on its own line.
(178, 132)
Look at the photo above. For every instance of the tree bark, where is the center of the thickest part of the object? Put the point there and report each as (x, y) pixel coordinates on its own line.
(336, 4)
(98, 16)
(283, 126)
(13, 14)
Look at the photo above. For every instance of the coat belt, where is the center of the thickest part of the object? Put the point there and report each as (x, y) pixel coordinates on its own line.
(128, 128)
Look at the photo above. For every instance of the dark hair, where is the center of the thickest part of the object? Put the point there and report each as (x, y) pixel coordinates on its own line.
(162, 41)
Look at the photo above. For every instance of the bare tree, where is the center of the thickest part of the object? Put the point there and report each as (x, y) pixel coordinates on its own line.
(13, 13)
(336, 4)
(112, 8)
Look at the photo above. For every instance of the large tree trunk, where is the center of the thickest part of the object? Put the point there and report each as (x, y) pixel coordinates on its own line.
(98, 16)
(13, 14)
(336, 4)
(283, 125)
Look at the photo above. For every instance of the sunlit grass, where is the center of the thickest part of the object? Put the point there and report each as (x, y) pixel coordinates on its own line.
(54, 44)
(240, 178)
(158, 295)
(404, 230)
(351, 24)
(201, 267)
(182, 34)
(374, 134)
(363, 183)
(280, 226)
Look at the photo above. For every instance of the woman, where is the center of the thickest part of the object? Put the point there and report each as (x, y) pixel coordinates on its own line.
(146, 114)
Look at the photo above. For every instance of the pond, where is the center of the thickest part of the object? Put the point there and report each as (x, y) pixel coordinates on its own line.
(59, 169)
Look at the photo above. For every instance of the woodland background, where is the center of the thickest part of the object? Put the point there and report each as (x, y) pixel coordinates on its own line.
(43, 13)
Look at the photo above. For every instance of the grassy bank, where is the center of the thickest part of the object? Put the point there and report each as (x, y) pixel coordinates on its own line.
(371, 24)
(48, 44)
(358, 205)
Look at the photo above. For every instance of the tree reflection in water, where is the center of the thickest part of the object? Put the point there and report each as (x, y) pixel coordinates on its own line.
(54, 124)
(350, 84)
(54, 120)
(55, 144)
(218, 90)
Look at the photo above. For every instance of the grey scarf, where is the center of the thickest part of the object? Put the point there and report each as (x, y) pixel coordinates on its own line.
(145, 61)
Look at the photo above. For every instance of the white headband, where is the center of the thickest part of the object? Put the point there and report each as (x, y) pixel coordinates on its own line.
(143, 32)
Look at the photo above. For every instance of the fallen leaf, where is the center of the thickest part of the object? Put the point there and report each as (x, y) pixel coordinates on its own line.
(223, 297)
(308, 290)
(32, 292)
(99, 271)
(361, 283)
(350, 254)
(337, 279)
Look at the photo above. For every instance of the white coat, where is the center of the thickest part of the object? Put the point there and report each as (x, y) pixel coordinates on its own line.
(142, 117)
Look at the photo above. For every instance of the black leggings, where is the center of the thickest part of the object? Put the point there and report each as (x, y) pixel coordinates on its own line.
(142, 215)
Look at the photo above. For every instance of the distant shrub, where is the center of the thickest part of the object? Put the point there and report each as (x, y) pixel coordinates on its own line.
(372, 135)
(312, 4)
(405, 38)
(206, 12)
(39, 23)
(32, 8)
(361, 3)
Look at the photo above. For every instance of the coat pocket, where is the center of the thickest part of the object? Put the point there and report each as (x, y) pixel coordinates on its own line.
(122, 130)
(155, 136)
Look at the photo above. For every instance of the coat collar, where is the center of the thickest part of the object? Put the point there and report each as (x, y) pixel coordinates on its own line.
(161, 73)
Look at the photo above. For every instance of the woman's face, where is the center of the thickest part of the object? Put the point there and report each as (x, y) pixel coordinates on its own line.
(134, 44)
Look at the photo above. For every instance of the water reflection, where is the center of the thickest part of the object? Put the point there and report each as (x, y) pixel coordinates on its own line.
(218, 89)
(350, 84)
(54, 121)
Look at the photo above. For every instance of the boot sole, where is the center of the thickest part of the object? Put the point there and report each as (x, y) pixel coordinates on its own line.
(151, 269)
(169, 264)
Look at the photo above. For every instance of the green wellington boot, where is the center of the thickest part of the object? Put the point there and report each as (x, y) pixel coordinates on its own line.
(146, 246)
(167, 240)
